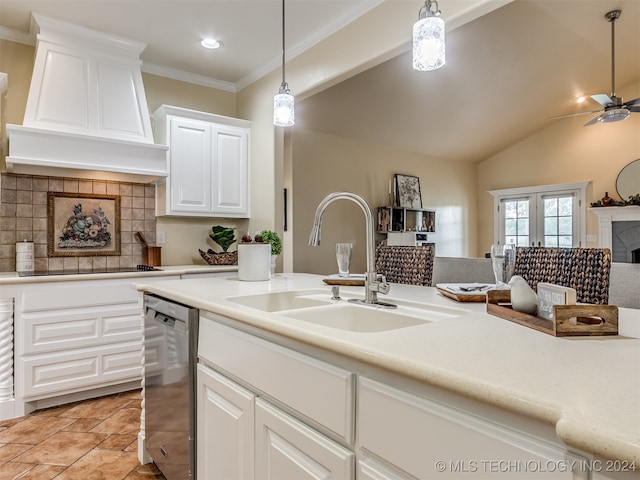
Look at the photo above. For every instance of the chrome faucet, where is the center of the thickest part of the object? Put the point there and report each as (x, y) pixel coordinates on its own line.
(371, 283)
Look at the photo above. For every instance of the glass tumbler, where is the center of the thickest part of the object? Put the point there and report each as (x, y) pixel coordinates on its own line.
(343, 256)
(503, 259)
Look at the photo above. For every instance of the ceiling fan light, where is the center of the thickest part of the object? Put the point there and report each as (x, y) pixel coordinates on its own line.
(283, 108)
(428, 43)
(613, 115)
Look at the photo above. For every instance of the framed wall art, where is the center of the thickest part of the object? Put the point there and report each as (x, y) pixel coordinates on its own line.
(408, 191)
(82, 225)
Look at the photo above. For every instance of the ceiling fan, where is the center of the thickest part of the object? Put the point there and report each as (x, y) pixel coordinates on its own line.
(614, 109)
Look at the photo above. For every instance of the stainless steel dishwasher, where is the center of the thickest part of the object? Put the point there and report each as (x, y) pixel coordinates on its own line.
(171, 349)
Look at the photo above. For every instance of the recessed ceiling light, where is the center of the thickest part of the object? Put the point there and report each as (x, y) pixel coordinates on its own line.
(581, 99)
(211, 43)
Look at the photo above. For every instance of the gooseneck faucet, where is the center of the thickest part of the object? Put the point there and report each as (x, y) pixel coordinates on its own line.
(371, 283)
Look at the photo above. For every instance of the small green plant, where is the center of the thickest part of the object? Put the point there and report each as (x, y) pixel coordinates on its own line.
(223, 236)
(272, 238)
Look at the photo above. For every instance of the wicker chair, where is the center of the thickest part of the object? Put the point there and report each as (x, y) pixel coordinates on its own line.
(405, 264)
(584, 269)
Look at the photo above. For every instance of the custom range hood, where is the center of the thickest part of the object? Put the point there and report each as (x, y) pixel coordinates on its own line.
(86, 114)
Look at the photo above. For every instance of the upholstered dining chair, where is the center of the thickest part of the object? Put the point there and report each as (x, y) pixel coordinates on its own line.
(405, 264)
(587, 270)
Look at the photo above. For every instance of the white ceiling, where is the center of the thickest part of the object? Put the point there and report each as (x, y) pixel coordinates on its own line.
(507, 72)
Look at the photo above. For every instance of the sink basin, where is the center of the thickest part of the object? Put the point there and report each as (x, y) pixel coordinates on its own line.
(357, 318)
(278, 301)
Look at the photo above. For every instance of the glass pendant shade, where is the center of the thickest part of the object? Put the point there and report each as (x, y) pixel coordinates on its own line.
(283, 109)
(428, 43)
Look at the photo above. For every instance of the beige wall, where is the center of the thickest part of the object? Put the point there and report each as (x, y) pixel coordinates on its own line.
(324, 163)
(563, 152)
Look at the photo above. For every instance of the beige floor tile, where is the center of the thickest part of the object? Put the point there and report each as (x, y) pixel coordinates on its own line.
(83, 424)
(42, 472)
(33, 429)
(117, 442)
(62, 448)
(11, 470)
(122, 422)
(99, 408)
(101, 465)
(10, 451)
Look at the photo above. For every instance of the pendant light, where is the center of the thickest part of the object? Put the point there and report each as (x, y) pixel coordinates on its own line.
(283, 101)
(428, 38)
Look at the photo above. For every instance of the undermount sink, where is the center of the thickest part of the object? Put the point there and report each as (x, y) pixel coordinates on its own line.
(356, 318)
(316, 306)
(279, 301)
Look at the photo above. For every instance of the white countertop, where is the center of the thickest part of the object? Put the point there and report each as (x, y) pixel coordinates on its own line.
(14, 278)
(588, 387)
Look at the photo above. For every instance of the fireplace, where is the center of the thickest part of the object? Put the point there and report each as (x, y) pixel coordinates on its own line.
(619, 230)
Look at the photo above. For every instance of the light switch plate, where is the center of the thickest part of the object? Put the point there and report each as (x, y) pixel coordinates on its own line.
(592, 238)
(161, 238)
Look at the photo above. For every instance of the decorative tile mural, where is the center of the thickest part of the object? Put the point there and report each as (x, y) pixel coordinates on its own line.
(23, 216)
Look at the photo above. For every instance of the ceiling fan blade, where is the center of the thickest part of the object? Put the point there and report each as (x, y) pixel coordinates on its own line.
(592, 121)
(635, 108)
(635, 101)
(574, 114)
(603, 99)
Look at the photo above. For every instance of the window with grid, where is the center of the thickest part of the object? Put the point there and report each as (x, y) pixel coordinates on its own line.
(549, 216)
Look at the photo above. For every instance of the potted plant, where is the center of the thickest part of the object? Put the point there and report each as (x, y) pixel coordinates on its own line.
(272, 238)
(224, 237)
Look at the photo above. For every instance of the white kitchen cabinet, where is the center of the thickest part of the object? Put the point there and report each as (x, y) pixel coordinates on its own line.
(208, 164)
(74, 339)
(301, 405)
(288, 449)
(225, 427)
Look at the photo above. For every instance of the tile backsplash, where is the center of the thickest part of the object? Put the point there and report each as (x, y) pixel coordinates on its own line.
(23, 216)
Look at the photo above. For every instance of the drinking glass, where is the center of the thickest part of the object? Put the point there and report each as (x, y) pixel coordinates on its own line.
(503, 259)
(343, 256)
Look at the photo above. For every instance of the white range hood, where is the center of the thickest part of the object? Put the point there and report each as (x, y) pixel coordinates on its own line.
(86, 114)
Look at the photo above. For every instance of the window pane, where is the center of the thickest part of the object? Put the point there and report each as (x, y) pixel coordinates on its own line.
(523, 227)
(550, 241)
(510, 209)
(565, 226)
(565, 206)
(511, 239)
(565, 241)
(523, 241)
(510, 226)
(550, 207)
(550, 226)
(523, 208)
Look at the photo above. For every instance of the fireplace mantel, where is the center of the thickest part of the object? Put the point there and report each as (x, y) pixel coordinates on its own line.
(608, 215)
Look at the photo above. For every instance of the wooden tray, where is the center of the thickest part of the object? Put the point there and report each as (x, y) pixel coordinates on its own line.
(463, 297)
(355, 281)
(569, 320)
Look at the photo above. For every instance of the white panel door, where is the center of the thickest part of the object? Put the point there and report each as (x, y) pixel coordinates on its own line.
(190, 166)
(231, 170)
(224, 428)
(289, 450)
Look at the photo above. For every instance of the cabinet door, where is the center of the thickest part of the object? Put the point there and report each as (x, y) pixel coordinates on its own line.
(230, 171)
(289, 450)
(224, 427)
(190, 166)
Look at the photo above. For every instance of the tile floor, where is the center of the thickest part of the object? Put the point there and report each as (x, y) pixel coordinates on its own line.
(91, 440)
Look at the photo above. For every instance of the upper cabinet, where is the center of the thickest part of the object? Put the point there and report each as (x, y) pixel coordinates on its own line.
(208, 163)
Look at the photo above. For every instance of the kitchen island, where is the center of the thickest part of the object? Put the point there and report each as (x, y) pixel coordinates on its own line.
(505, 386)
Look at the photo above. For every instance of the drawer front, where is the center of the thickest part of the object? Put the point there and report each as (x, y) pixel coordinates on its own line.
(430, 440)
(82, 368)
(315, 389)
(87, 327)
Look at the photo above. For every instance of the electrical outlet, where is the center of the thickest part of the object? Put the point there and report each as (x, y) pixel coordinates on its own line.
(592, 238)
(161, 238)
